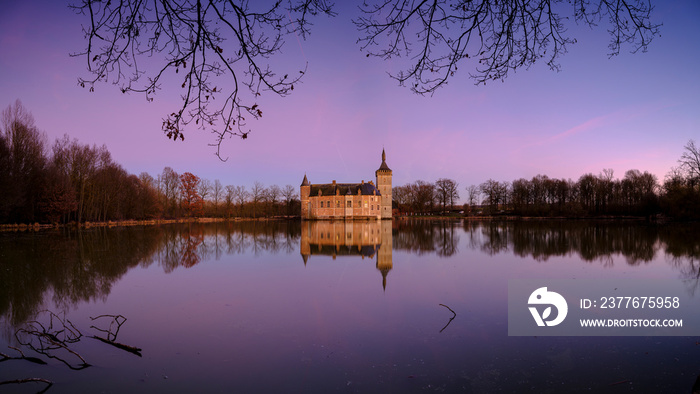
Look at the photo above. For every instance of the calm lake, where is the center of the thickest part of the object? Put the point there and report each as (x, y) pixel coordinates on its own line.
(364, 307)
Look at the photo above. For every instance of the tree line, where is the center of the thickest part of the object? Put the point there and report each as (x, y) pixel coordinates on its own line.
(73, 182)
(636, 193)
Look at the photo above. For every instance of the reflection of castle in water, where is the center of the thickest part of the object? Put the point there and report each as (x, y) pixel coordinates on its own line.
(349, 238)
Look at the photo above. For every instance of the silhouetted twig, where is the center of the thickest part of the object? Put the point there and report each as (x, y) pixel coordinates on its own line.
(454, 314)
(112, 333)
(116, 319)
(45, 340)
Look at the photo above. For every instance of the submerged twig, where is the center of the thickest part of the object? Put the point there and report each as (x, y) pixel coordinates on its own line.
(130, 349)
(34, 360)
(454, 314)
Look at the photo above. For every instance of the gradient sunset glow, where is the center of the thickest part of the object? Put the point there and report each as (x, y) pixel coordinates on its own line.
(633, 111)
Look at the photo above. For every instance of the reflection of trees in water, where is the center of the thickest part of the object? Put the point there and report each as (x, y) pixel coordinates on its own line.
(638, 243)
(426, 236)
(591, 241)
(74, 266)
(682, 248)
(185, 245)
(71, 265)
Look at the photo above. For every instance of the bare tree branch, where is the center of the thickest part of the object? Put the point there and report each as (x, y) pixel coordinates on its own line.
(497, 37)
(216, 48)
(220, 51)
(690, 162)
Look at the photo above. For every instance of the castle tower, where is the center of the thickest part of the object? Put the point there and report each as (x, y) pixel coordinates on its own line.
(383, 175)
(304, 192)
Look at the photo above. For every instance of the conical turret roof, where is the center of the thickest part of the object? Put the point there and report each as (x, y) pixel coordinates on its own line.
(383, 166)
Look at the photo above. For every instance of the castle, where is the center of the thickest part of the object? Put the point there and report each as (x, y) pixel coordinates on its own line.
(349, 200)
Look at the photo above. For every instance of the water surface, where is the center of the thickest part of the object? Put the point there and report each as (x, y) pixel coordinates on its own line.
(329, 307)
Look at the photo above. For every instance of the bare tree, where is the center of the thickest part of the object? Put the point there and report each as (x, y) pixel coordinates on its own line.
(220, 51)
(241, 197)
(473, 194)
(690, 163)
(219, 48)
(423, 196)
(496, 193)
(147, 180)
(446, 192)
(229, 198)
(495, 36)
(217, 192)
(272, 195)
(402, 196)
(257, 194)
(170, 190)
(289, 193)
(25, 162)
(204, 188)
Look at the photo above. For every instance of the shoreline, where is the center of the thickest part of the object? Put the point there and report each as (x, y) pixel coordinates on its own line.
(127, 223)
(151, 222)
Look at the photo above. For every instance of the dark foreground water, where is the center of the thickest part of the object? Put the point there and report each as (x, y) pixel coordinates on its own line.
(320, 307)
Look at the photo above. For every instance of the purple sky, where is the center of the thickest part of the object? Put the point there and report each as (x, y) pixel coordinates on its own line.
(634, 111)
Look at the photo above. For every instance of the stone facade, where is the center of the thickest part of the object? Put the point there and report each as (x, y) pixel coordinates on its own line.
(363, 200)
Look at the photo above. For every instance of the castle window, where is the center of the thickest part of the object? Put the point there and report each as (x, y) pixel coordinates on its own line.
(365, 205)
(321, 204)
(328, 203)
(359, 204)
(337, 204)
(349, 204)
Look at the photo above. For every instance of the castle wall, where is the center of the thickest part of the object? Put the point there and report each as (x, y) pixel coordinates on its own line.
(349, 206)
(337, 207)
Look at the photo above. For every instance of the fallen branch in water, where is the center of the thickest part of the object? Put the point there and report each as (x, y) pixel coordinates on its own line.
(112, 332)
(116, 319)
(454, 314)
(49, 340)
(22, 357)
(130, 349)
(29, 380)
